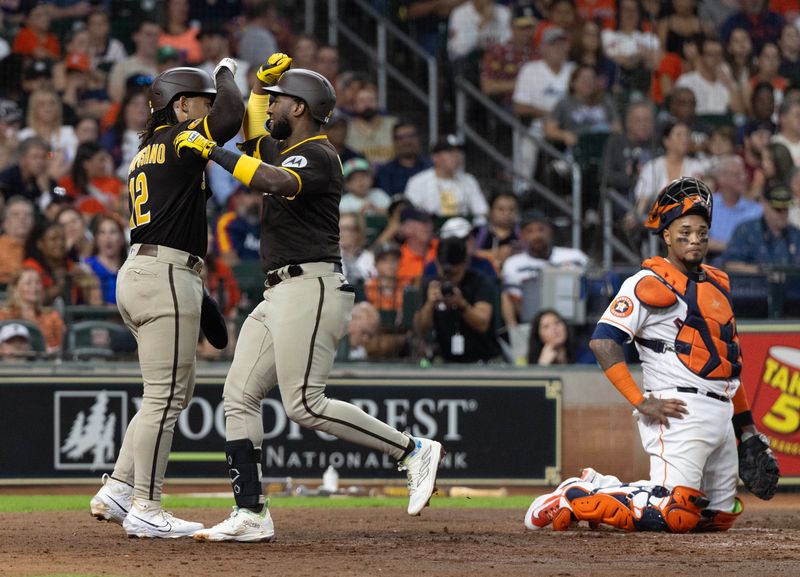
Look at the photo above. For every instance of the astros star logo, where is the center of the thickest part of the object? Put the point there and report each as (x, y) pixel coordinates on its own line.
(621, 307)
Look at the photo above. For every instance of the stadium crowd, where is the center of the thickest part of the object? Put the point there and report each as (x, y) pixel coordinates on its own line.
(440, 259)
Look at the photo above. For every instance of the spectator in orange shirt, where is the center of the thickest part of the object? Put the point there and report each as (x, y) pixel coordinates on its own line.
(17, 226)
(385, 291)
(35, 39)
(419, 246)
(26, 302)
(91, 182)
(46, 253)
(179, 33)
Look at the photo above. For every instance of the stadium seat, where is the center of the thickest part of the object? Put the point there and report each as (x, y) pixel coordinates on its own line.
(250, 277)
(97, 340)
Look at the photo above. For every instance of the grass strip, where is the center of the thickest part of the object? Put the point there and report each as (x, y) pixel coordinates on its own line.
(30, 503)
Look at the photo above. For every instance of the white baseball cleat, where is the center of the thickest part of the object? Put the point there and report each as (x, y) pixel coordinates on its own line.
(421, 466)
(112, 502)
(149, 520)
(243, 525)
(551, 508)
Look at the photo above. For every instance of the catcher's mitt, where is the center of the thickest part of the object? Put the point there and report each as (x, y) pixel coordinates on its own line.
(758, 467)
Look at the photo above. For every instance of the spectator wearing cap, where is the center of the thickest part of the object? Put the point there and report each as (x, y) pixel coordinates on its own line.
(360, 196)
(15, 342)
(536, 234)
(540, 85)
(457, 305)
(10, 121)
(17, 227)
(731, 208)
(794, 186)
(766, 241)
(336, 130)
(257, 42)
(45, 119)
(358, 263)
(497, 239)
(502, 61)
(37, 75)
(476, 24)
(26, 302)
(34, 38)
(214, 46)
(408, 160)
(238, 231)
(789, 128)
(104, 50)
(370, 130)
(460, 228)
(142, 61)
(179, 32)
(445, 189)
(29, 177)
(84, 88)
(384, 290)
(418, 247)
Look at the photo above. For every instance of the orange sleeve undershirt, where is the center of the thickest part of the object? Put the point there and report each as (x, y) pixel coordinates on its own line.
(620, 376)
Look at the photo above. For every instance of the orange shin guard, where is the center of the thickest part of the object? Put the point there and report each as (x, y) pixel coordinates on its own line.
(682, 512)
(712, 520)
(603, 508)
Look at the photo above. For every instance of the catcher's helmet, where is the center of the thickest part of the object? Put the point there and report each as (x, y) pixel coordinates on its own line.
(175, 82)
(682, 196)
(309, 86)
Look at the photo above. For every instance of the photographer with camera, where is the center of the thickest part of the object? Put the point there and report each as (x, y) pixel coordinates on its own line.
(458, 306)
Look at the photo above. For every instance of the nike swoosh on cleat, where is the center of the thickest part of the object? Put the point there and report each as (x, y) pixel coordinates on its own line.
(160, 528)
(119, 505)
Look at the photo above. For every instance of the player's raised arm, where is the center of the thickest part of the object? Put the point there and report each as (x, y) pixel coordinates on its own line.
(225, 117)
(256, 115)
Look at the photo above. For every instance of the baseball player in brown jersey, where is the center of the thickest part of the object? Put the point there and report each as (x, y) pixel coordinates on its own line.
(290, 338)
(159, 289)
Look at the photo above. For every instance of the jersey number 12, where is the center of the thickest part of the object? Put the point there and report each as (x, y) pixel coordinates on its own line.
(139, 197)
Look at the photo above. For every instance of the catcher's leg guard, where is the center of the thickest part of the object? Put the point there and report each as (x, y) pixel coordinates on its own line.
(682, 512)
(609, 508)
(244, 466)
(713, 520)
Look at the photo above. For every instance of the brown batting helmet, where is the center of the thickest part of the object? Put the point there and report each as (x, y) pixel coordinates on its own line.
(310, 87)
(175, 82)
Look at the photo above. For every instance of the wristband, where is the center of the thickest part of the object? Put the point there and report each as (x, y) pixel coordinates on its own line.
(241, 166)
(620, 376)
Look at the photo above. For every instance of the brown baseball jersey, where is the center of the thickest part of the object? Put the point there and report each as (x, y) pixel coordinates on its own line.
(304, 227)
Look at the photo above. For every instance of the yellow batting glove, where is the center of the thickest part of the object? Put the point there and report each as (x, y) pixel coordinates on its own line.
(271, 70)
(194, 141)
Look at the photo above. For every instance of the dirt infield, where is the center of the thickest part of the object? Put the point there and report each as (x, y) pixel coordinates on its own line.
(372, 542)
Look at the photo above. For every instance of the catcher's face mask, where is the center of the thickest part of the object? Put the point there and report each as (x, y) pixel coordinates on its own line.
(680, 197)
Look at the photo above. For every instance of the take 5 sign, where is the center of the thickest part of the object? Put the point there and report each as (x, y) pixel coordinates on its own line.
(771, 375)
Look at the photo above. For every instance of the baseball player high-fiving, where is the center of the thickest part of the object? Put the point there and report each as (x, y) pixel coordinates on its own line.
(159, 289)
(290, 338)
(678, 312)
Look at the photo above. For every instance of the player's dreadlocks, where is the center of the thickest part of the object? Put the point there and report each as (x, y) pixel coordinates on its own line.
(158, 118)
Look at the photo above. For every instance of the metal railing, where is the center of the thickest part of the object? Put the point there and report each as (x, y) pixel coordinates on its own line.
(379, 54)
(467, 93)
(612, 199)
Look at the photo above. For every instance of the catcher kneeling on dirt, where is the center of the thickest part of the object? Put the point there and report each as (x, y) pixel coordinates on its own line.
(678, 312)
